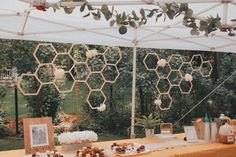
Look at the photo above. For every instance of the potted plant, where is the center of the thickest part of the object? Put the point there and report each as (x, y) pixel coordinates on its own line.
(148, 123)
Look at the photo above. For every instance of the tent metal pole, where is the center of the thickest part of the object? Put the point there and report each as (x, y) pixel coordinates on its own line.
(132, 134)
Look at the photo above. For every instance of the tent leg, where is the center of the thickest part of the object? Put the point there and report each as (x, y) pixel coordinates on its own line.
(132, 134)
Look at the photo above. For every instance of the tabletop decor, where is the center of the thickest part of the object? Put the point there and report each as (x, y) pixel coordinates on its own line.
(166, 128)
(148, 123)
(38, 135)
(71, 141)
(128, 149)
(226, 135)
(190, 133)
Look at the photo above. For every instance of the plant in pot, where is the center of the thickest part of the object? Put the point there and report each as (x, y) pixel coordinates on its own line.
(148, 123)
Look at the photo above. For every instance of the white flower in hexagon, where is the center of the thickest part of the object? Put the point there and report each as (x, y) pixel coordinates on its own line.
(91, 53)
(162, 63)
(101, 108)
(188, 77)
(157, 102)
(59, 74)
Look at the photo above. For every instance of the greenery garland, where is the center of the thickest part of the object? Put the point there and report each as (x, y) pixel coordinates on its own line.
(135, 20)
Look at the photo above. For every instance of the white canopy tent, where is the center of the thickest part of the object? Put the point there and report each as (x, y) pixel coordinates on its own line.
(18, 20)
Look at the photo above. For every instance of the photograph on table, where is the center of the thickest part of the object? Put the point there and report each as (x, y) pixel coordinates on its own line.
(38, 135)
(190, 133)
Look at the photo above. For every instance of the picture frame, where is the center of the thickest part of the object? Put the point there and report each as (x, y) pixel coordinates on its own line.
(190, 133)
(38, 135)
(166, 128)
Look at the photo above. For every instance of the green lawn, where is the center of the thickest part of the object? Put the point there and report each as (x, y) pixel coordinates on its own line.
(70, 105)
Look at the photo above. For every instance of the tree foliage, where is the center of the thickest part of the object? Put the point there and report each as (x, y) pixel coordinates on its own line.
(117, 115)
(19, 54)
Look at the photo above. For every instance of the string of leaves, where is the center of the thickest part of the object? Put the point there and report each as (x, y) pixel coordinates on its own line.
(136, 19)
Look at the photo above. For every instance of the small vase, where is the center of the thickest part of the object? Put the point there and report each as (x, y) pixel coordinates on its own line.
(213, 132)
(73, 147)
(149, 132)
(207, 133)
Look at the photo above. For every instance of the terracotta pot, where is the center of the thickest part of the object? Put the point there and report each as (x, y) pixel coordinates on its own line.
(149, 132)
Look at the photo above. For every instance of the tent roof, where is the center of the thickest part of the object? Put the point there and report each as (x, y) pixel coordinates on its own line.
(20, 21)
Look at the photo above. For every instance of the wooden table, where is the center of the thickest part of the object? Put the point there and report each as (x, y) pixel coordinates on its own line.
(204, 150)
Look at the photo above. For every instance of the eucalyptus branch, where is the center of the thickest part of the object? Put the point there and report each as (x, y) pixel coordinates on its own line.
(137, 19)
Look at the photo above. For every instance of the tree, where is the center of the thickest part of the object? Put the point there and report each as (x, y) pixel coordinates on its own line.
(19, 54)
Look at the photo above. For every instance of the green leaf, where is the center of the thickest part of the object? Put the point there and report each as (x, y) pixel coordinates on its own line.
(150, 14)
(68, 10)
(89, 6)
(132, 24)
(97, 16)
(112, 23)
(124, 16)
(104, 7)
(122, 30)
(86, 15)
(189, 13)
(142, 12)
(82, 7)
(135, 17)
(183, 7)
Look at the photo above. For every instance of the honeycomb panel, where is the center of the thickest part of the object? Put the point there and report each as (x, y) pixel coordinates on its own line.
(163, 85)
(63, 61)
(96, 63)
(206, 69)
(112, 55)
(45, 73)
(78, 53)
(81, 71)
(44, 53)
(185, 87)
(95, 81)
(171, 75)
(163, 72)
(175, 61)
(29, 84)
(166, 101)
(196, 62)
(66, 84)
(110, 73)
(175, 77)
(95, 98)
(150, 61)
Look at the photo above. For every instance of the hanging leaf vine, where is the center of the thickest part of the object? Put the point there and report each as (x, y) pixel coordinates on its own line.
(136, 19)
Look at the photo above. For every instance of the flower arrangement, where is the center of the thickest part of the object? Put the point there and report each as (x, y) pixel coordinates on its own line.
(157, 102)
(91, 53)
(162, 63)
(77, 137)
(101, 108)
(188, 77)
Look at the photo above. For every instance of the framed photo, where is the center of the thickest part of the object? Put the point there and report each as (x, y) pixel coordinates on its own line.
(166, 128)
(190, 133)
(38, 135)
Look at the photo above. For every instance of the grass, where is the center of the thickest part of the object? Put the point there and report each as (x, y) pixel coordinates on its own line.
(12, 143)
(70, 105)
(73, 101)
